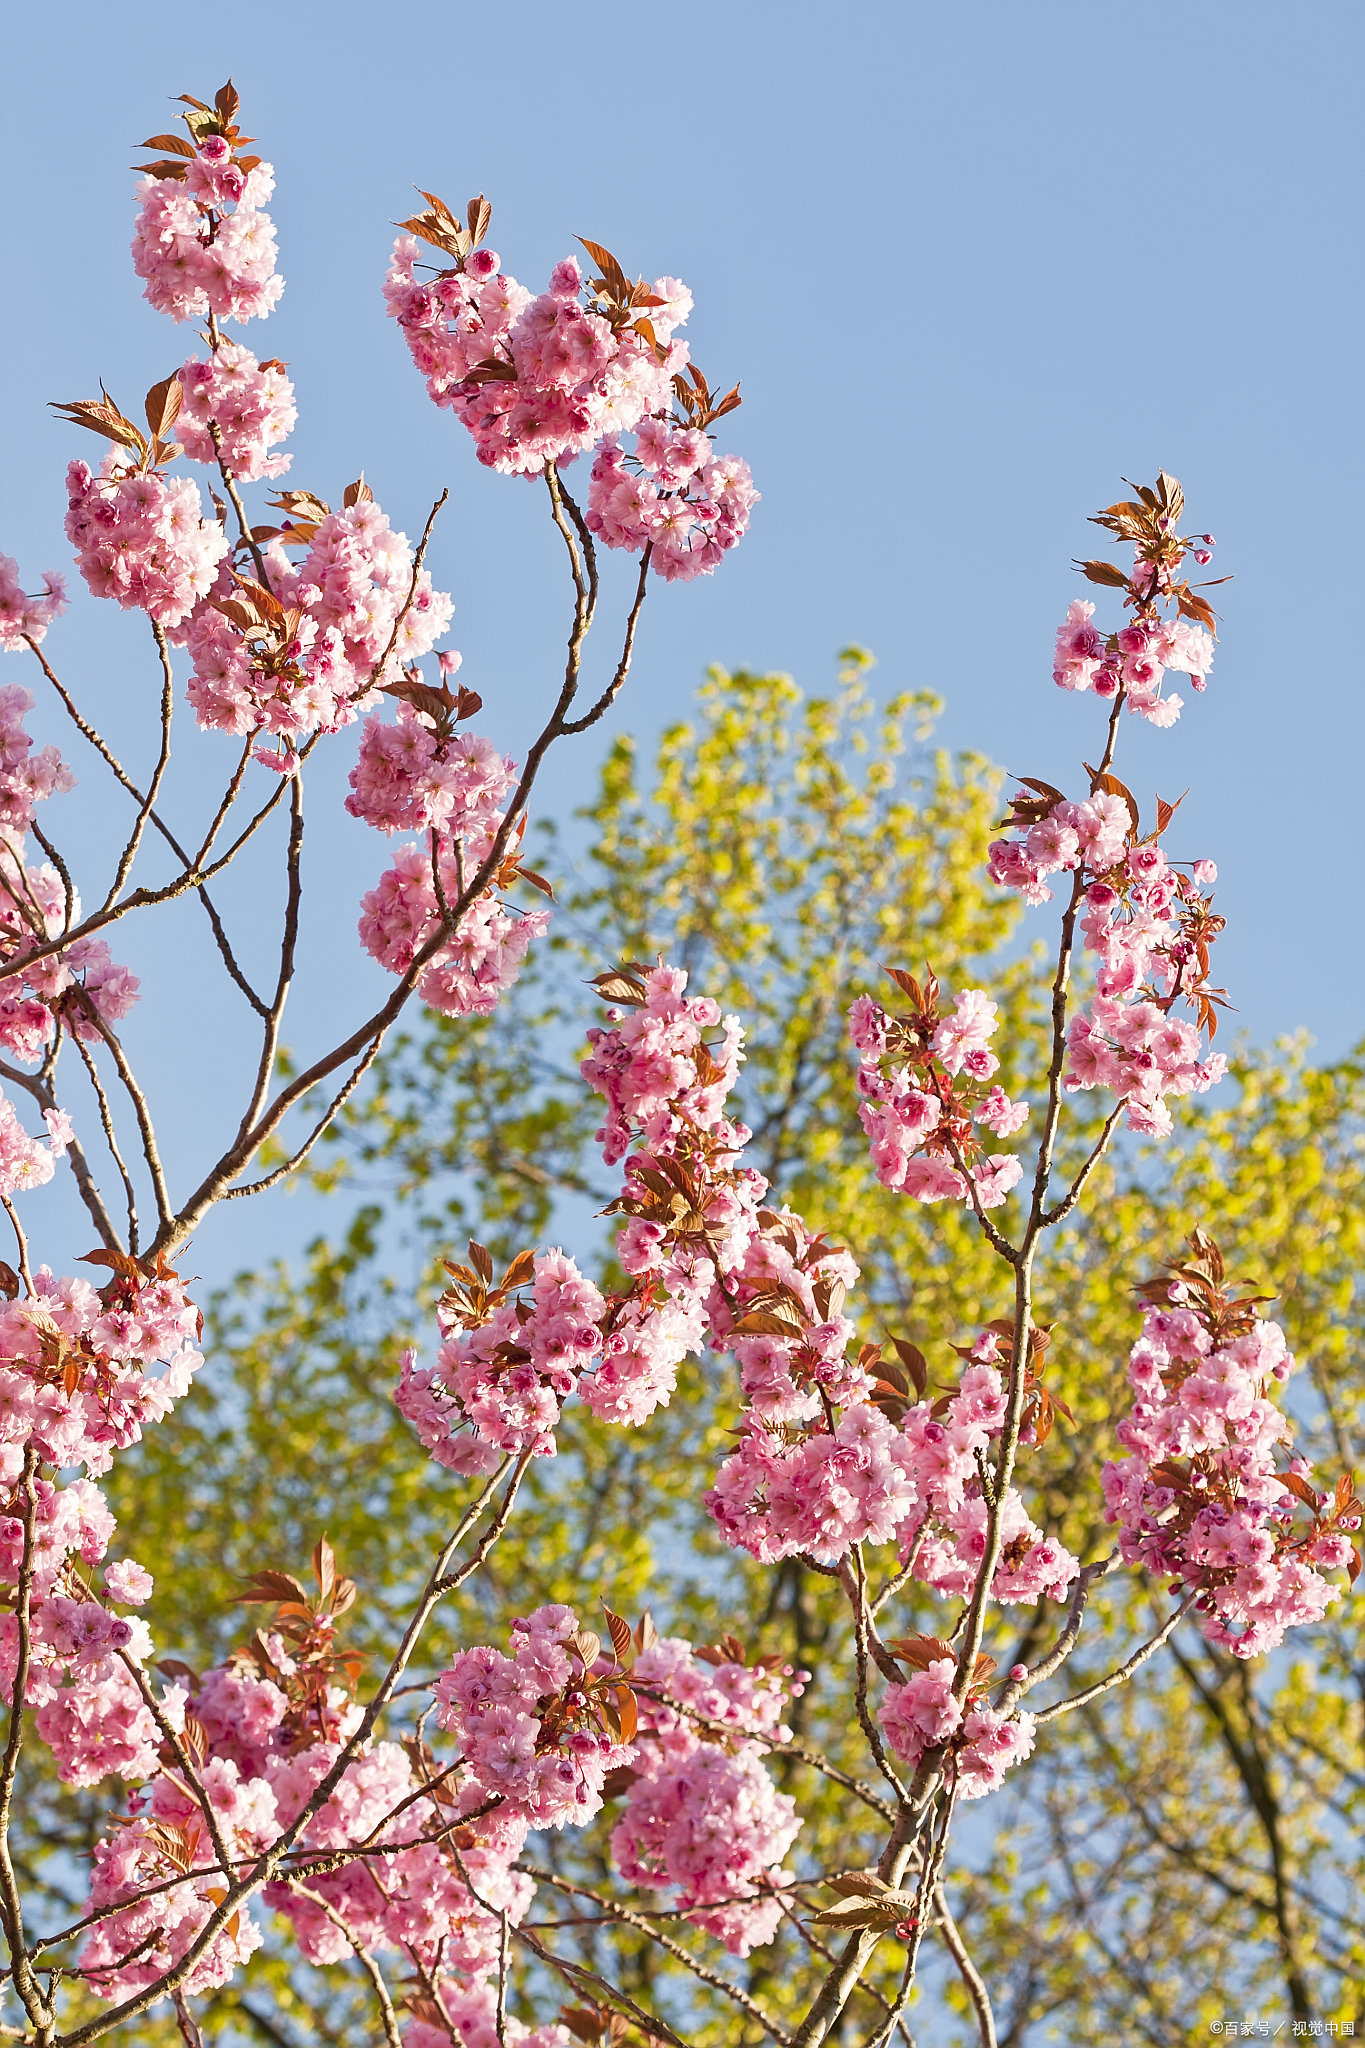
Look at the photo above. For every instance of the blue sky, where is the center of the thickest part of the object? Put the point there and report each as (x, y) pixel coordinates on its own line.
(973, 264)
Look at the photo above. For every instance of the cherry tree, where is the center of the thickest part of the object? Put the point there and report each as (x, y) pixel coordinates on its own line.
(391, 1820)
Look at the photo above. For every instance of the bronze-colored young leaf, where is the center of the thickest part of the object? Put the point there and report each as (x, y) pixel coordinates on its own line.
(589, 1646)
(324, 1566)
(619, 988)
(1103, 572)
(919, 1652)
(271, 1586)
(622, 1641)
(628, 1712)
(102, 416)
(162, 406)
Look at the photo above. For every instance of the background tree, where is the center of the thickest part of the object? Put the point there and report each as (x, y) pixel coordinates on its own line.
(781, 849)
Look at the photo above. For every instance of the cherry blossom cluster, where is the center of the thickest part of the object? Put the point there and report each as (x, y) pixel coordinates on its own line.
(674, 495)
(691, 1216)
(24, 615)
(202, 242)
(470, 2012)
(419, 772)
(26, 776)
(264, 1729)
(701, 1816)
(1197, 1494)
(977, 1744)
(1151, 927)
(74, 1360)
(78, 1381)
(1134, 659)
(534, 380)
(249, 404)
(141, 538)
(924, 1079)
(499, 1385)
(542, 380)
(1131, 662)
(301, 654)
(530, 1726)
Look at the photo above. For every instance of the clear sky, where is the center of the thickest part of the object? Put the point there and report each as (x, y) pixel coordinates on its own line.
(973, 264)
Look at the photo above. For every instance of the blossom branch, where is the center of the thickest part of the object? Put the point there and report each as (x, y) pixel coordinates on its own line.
(266, 1866)
(111, 1140)
(614, 687)
(1063, 1208)
(184, 1758)
(140, 1109)
(288, 948)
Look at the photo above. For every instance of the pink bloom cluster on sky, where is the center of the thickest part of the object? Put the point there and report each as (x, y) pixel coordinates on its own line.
(353, 631)
(141, 538)
(570, 383)
(1197, 1496)
(203, 244)
(251, 404)
(1134, 660)
(24, 615)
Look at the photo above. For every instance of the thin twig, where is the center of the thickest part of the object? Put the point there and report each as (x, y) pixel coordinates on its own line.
(129, 854)
(967, 1970)
(624, 1914)
(362, 1955)
(1066, 1641)
(289, 939)
(615, 686)
(225, 802)
(184, 1758)
(1073, 1195)
(1125, 1671)
(110, 1138)
(21, 1240)
(141, 1111)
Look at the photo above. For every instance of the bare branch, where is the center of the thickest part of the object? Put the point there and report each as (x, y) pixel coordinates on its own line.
(967, 1970)
(362, 1955)
(770, 2026)
(129, 854)
(1125, 1671)
(111, 1138)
